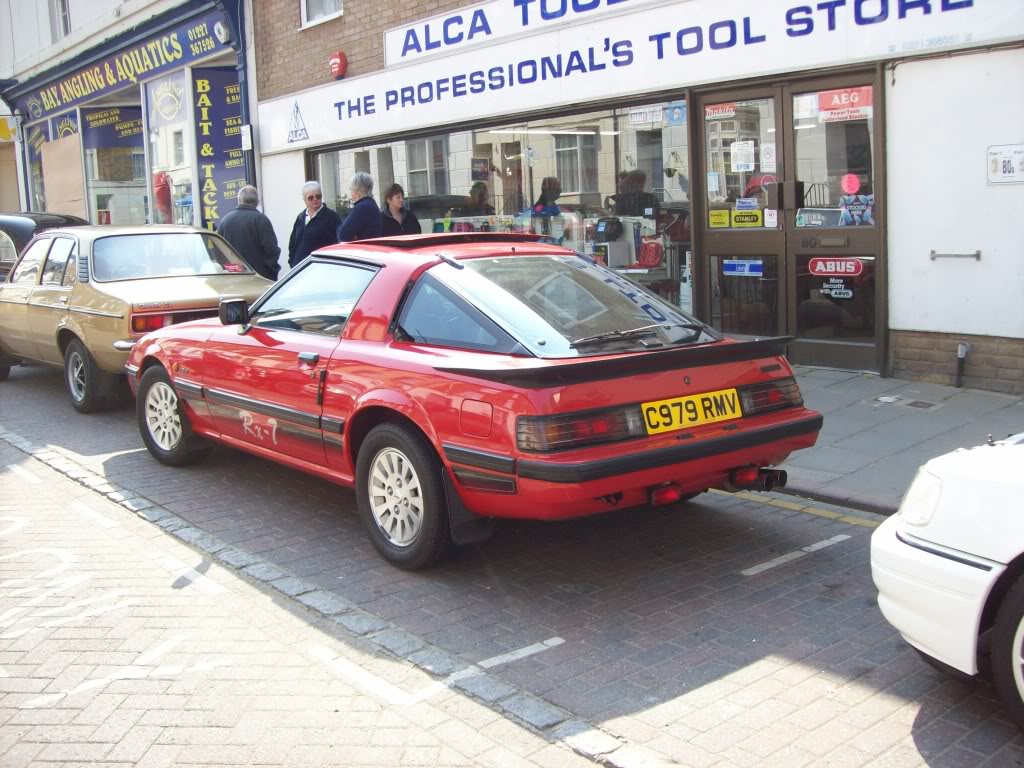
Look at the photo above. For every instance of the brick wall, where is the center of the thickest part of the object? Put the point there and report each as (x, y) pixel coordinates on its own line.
(289, 59)
(993, 363)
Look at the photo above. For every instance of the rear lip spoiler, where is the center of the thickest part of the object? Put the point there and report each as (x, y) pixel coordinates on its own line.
(552, 373)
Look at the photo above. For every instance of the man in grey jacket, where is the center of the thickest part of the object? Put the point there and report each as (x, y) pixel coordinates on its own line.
(252, 234)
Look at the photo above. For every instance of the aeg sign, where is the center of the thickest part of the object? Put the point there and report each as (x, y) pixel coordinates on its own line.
(831, 267)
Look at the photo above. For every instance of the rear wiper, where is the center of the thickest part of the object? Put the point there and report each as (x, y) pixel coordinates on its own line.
(634, 333)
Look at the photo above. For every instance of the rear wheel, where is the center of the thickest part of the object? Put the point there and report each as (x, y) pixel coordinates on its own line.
(164, 426)
(1008, 653)
(86, 384)
(400, 497)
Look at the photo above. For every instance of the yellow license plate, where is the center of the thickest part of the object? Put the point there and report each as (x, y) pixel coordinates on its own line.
(694, 410)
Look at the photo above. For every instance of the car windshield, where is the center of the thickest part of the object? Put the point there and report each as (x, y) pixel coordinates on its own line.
(568, 306)
(166, 254)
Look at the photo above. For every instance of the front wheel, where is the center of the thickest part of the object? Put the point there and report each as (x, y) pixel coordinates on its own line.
(400, 497)
(164, 426)
(1008, 653)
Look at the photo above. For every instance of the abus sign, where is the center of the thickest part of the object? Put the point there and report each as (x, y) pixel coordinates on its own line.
(836, 267)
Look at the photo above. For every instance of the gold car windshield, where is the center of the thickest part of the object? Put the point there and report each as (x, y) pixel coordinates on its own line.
(165, 254)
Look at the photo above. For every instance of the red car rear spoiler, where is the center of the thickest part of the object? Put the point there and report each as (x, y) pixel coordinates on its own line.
(538, 374)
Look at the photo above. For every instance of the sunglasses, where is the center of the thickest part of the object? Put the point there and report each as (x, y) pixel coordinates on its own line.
(314, 197)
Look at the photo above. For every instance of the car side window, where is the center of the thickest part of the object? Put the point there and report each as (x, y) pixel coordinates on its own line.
(316, 299)
(433, 314)
(8, 250)
(27, 271)
(71, 273)
(57, 261)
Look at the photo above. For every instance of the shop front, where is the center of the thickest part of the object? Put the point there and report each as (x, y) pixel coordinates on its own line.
(735, 165)
(144, 131)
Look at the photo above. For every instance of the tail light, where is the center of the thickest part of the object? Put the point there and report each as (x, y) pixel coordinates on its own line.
(147, 323)
(543, 434)
(770, 396)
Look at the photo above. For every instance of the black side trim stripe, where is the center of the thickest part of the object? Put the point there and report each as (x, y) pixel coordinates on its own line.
(277, 411)
(187, 388)
(579, 472)
(946, 555)
(481, 459)
(332, 425)
(483, 481)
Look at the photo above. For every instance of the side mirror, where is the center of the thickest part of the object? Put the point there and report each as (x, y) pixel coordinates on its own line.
(233, 312)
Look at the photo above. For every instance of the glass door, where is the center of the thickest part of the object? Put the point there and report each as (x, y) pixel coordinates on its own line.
(834, 229)
(792, 227)
(744, 237)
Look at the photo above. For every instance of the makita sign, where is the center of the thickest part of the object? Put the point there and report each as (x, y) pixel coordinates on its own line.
(829, 267)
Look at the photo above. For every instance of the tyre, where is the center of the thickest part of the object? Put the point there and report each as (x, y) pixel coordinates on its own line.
(1007, 657)
(87, 385)
(400, 497)
(164, 426)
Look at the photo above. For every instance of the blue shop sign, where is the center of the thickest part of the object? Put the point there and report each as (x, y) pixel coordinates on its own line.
(198, 38)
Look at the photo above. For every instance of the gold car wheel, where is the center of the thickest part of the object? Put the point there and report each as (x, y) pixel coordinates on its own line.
(162, 417)
(76, 376)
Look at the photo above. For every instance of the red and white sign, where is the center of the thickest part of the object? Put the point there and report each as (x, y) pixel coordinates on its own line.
(719, 111)
(844, 104)
(830, 267)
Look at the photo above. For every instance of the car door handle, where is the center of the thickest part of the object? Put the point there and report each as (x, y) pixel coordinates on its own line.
(312, 358)
(62, 300)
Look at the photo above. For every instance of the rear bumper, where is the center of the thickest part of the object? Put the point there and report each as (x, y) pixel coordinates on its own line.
(934, 597)
(552, 489)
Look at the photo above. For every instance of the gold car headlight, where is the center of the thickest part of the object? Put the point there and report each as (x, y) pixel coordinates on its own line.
(922, 499)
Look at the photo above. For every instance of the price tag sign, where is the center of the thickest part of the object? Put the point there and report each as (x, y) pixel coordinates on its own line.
(1006, 164)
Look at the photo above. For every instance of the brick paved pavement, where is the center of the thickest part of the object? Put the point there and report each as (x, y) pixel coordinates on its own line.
(668, 645)
(120, 646)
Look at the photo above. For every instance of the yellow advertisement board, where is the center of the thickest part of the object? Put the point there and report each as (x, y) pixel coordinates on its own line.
(747, 218)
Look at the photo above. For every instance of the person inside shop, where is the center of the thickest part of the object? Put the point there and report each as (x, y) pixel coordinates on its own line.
(550, 189)
(395, 219)
(251, 234)
(632, 200)
(315, 227)
(479, 201)
(364, 219)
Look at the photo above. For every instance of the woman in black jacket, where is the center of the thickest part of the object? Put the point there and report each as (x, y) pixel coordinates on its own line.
(395, 219)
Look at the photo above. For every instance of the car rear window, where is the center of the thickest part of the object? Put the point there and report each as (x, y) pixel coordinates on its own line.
(552, 303)
(166, 254)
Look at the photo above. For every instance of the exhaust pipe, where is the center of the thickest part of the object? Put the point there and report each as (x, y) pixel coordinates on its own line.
(755, 479)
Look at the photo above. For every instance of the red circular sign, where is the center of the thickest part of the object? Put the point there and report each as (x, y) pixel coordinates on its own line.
(850, 183)
(828, 266)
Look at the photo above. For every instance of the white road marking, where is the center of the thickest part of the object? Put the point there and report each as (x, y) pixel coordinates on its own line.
(61, 554)
(94, 517)
(192, 577)
(791, 556)
(522, 653)
(391, 694)
(68, 619)
(51, 589)
(24, 474)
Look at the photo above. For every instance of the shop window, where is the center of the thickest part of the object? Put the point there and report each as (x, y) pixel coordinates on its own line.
(60, 20)
(315, 11)
(576, 162)
(116, 180)
(428, 167)
(179, 148)
(167, 110)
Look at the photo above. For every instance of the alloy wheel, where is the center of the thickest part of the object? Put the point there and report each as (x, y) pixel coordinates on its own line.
(1017, 649)
(396, 497)
(162, 417)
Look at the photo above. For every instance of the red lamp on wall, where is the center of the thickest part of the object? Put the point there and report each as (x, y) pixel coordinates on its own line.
(339, 64)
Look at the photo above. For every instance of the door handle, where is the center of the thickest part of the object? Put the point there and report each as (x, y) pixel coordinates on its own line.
(62, 300)
(312, 358)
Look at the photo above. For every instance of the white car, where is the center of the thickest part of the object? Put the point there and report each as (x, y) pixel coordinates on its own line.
(949, 566)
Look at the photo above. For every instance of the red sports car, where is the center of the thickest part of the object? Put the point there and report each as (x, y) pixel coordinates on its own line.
(452, 379)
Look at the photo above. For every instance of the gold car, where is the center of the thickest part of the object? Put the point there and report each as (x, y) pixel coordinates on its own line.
(80, 297)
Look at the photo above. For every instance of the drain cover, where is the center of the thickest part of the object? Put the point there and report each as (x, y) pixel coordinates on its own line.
(922, 404)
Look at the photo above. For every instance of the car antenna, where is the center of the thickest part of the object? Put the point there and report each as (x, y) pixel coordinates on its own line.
(449, 260)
